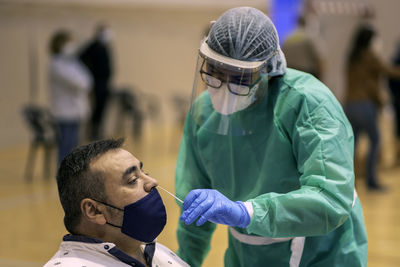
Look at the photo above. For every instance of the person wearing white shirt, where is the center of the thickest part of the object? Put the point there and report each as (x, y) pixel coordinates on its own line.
(69, 83)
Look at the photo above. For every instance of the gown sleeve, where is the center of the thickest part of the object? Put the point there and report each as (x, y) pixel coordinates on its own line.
(322, 144)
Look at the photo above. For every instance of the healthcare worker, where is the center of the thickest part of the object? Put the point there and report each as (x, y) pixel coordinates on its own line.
(267, 151)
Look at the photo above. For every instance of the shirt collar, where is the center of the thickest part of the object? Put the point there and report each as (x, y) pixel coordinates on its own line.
(81, 238)
(111, 249)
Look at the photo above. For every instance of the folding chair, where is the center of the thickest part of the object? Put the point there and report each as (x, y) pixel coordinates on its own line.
(44, 134)
(129, 104)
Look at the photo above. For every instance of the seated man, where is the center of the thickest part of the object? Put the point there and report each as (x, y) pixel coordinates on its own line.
(112, 210)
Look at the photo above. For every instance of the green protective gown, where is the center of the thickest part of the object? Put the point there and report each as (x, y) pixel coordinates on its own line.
(295, 168)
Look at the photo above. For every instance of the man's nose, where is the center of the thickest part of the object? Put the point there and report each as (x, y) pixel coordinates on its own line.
(149, 183)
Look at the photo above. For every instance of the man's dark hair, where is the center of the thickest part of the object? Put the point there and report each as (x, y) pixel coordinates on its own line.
(76, 181)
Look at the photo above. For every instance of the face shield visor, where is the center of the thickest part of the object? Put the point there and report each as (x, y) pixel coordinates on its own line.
(226, 91)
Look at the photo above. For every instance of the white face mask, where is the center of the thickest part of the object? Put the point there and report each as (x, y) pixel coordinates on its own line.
(69, 49)
(226, 103)
(106, 36)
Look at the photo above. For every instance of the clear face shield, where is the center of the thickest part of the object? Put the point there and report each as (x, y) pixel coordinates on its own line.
(226, 91)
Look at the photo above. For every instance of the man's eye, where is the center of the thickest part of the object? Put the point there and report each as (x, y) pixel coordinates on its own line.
(133, 180)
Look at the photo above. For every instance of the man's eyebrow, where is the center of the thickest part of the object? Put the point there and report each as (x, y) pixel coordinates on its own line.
(131, 170)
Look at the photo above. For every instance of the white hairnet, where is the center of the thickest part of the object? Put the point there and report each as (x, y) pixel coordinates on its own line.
(247, 34)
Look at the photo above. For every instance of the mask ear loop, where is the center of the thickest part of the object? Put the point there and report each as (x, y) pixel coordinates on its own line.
(108, 205)
(120, 227)
(111, 207)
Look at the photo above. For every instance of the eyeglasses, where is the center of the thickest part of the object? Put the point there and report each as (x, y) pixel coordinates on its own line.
(237, 85)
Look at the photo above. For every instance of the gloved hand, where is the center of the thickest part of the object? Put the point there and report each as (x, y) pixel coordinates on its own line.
(213, 206)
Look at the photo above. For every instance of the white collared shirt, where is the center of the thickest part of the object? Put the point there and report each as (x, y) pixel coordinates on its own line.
(82, 251)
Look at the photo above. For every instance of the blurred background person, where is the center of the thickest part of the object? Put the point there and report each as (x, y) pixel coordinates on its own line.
(394, 85)
(300, 51)
(96, 55)
(364, 97)
(69, 83)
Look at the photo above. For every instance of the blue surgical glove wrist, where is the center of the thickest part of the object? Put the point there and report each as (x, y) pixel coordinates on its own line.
(245, 219)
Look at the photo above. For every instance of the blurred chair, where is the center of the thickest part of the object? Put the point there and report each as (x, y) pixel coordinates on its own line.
(44, 134)
(137, 106)
(129, 106)
(152, 106)
(180, 105)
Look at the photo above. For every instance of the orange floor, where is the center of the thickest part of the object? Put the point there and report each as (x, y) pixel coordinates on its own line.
(31, 216)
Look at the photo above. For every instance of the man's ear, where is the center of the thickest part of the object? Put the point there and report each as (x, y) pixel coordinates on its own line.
(92, 211)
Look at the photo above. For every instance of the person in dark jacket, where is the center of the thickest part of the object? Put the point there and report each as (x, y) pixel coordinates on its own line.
(394, 86)
(97, 56)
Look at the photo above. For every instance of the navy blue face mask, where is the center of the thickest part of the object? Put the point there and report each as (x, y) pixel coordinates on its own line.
(144, 219)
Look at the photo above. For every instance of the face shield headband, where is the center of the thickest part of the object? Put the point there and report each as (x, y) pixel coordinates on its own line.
(144, 219)
(230, 64)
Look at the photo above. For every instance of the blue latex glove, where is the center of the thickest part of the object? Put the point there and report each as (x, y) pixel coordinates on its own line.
(211, 205)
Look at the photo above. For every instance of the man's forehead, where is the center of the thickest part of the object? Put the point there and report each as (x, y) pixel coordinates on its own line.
(114, 160)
